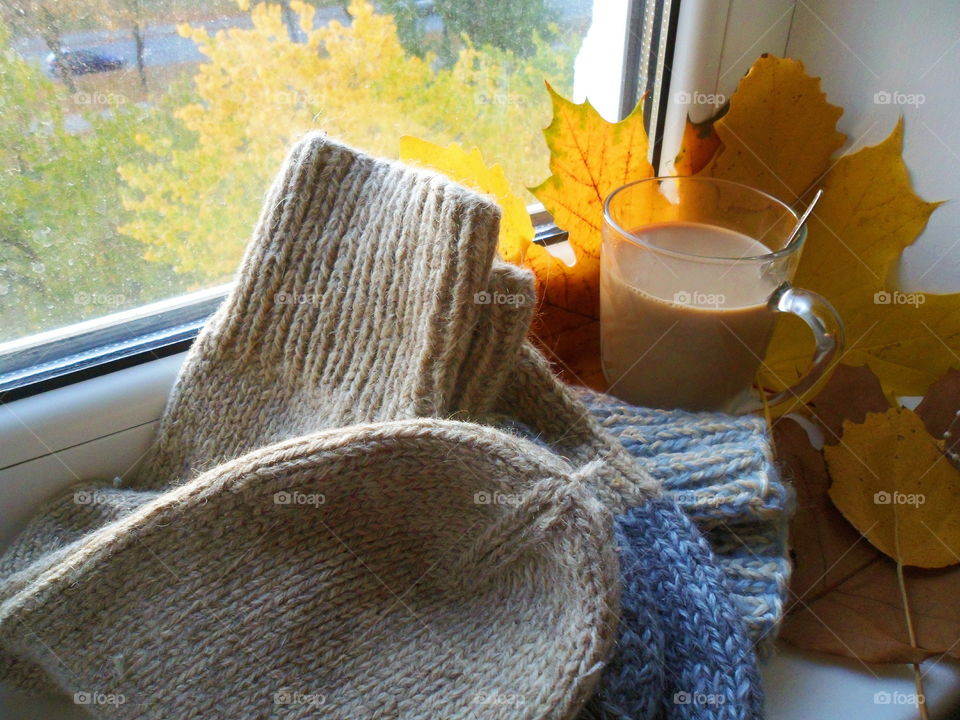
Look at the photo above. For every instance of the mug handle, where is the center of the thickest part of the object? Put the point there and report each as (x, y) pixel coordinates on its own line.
(827, 327)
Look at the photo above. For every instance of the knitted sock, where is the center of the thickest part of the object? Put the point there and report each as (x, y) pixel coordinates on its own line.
(720, 470)
(706, 666)
(370, 571)
(534, 397)
(356, 301)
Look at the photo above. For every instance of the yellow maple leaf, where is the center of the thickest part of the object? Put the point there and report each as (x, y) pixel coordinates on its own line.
(867, 216)
(780, 131)
(589, 158)
(893, 483)
(468, 168)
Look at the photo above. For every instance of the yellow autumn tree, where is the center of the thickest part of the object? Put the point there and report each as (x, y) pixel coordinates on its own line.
(194, 206)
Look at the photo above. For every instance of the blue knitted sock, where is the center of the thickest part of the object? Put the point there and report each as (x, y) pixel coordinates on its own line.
(707, 662)
(684, 652)
(720, 469)
(635, 680)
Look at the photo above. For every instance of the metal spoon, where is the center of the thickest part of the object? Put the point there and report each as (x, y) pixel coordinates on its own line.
(803, 219)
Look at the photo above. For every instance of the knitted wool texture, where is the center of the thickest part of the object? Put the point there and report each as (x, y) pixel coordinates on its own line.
(720, 470)
(397, 595)
(306, 527)
(682, 652)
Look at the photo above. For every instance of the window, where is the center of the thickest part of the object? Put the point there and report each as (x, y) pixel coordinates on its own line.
(138, 136)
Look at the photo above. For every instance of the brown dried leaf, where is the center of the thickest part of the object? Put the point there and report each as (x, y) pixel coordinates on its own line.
(940, 412)
(850, 394)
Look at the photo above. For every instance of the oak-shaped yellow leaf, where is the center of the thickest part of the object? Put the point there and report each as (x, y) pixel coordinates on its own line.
(867, 216)
(893, 483)
(589, 158)
(468, 168)
(780, 131)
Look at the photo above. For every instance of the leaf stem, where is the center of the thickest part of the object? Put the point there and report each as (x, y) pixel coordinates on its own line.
(917, 676)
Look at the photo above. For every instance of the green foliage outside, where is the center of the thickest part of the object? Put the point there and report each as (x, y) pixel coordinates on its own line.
(62, 257)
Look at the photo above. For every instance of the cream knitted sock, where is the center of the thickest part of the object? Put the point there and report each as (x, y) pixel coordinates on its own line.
(357, 301)
(413, 569)
(349, 308)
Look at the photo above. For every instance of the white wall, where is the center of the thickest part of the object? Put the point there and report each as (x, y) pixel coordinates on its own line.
(911, 47)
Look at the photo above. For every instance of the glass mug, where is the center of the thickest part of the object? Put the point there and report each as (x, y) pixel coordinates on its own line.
(693, 272)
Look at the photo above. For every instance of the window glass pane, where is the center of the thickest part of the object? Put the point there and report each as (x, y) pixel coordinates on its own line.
(137, 137)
